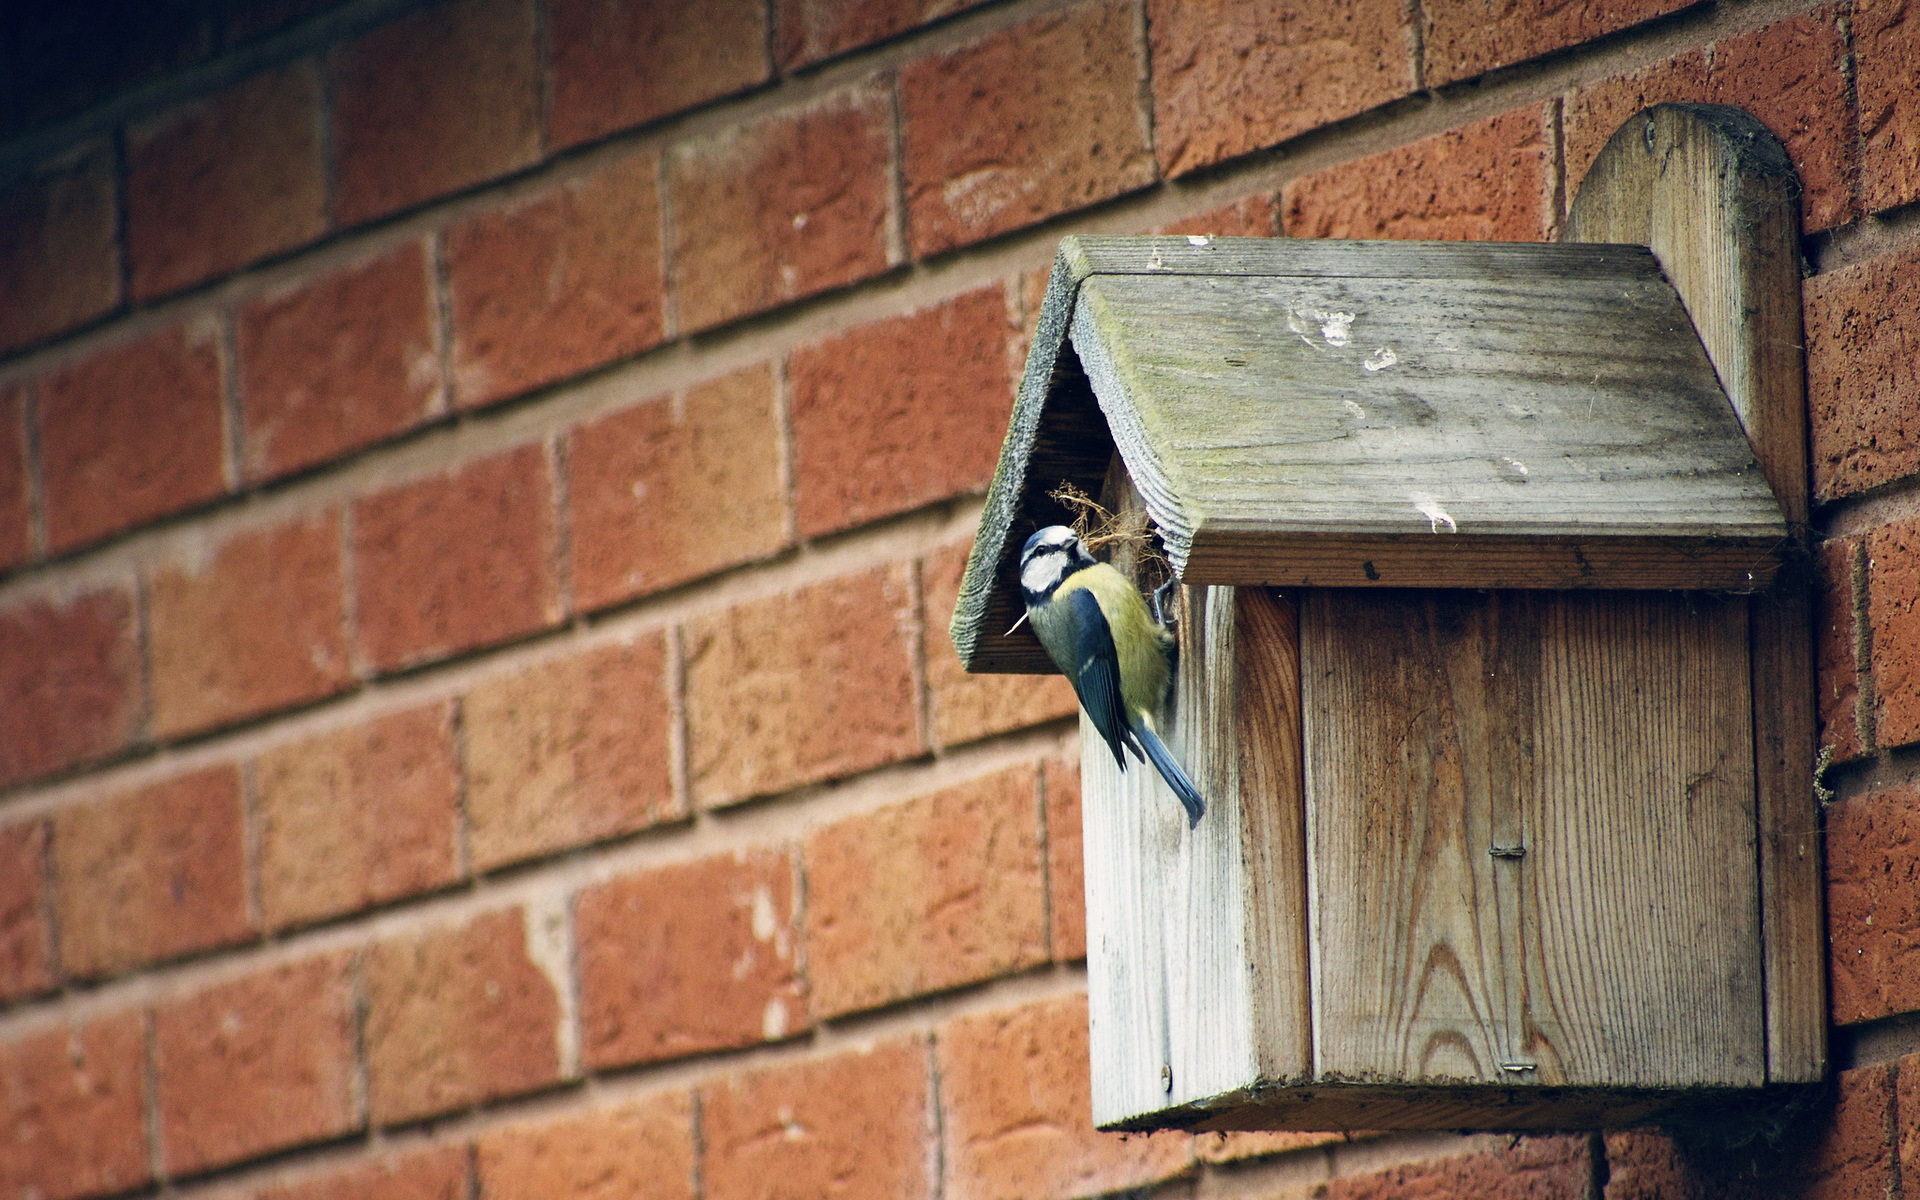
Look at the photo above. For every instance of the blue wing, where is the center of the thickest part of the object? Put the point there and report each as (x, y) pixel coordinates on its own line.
(1098, 683)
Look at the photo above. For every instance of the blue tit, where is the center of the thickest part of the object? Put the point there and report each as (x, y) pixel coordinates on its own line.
(1097, 630)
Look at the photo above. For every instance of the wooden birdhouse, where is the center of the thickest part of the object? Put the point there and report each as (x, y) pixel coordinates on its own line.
(1494, 656)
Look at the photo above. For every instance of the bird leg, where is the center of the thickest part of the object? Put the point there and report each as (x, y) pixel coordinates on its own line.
(1161, 613)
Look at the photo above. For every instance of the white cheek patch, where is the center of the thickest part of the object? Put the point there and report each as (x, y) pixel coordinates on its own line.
(1041, 573)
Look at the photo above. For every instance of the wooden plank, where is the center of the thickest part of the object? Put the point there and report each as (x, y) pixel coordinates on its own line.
(1341, 1107)
(1712, 193)
(1084, 256)
(1546, 799)
(1397, 414)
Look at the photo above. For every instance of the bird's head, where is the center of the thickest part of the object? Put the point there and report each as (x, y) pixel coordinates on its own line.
(1051, 555)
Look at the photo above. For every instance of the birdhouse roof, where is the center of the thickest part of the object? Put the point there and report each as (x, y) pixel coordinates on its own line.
(1317, 413)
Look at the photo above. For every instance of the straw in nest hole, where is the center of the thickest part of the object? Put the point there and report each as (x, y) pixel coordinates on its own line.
(1101, 528)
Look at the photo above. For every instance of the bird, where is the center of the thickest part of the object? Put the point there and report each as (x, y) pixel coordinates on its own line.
(1097, 630)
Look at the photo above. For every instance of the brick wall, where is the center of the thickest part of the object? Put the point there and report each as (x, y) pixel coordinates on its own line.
(482, 487)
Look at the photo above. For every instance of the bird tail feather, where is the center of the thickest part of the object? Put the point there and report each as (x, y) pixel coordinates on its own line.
(1169, 768)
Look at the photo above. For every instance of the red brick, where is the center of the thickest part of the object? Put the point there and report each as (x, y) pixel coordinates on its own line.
(1643, 1165)
(675, 488)
(1018, 1120)
(1491, 181)
(219, 182)
(1233, 77)
(1893, 610)
(1024, 124)
(1238, 1147)
(433, 1173)
(902, 412)
(1530, 1168)
(1789, 74)
(946, 890)
(69, 682)
(458, 1016)
(1836, 634)
(618, 63)
(969, 707)
(1066, 872)
(16, 532)
(357, 816)
(1250, 216)
(801, 687)
(1863, 374)
(571, 751)
(151, 873)
(59, 247)
(1463, 38)
(564, 282)
(688, 958)
(70, 1101)
(812, 30)
(781, 207)
(251, 626)
(337, 363)
(131, 433)
(639, 1148)
(432, 103)
(261, 1063)
(854, 1124)
(457, 561)
(1873, 904)
(26, 959)
(1853, 1156)
(1907, 1107)
(1886, 44)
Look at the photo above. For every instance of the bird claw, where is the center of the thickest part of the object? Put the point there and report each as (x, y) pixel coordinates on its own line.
(1160, 594)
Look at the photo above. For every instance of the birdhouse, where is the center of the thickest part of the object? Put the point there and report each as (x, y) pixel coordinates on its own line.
(1494, 656)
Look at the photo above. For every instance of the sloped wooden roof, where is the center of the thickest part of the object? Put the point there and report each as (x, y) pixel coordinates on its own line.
(1320, 413)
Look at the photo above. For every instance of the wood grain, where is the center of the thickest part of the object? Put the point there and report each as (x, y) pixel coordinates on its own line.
(1712, 193)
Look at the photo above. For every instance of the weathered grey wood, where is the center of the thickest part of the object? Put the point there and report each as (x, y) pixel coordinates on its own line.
(1084, 256)
(1712, 193)
(1545, 800)
(1416, 415)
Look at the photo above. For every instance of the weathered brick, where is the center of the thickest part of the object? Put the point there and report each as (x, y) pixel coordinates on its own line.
(1853, 1157)
(1463, 38)
(1893, 610)
(1645, 1165)
(131, 433)
(457, 561)
(1789, 74)
(1529, 1168)
(1835, 635)
(570, 751)
(433, 1173)
(1066, 872)
(69, 681)
(780, 207)
(568, 280)
(434, 102)
(639, 1148)
(1863, 374)
(1233, 77)
(70, 1101)
(854, 1124)
(812, 30)
(357, 817)
(1017, 1120)
(337, 363)
(1907, 1106)
(256, 624)
(688, 958)
(16, 531)
(1873, 904)
(1490, 181)
(219, 182)
(26, 958)
(618, 63)
(460, 1015)
(1238, 1147)
(941, 891)
(902, 412)
(1886, 44)
(260, 1063)
(1257, 215)
(968, 707)
(151, 873)
(1033, 121)
(800, 687)
(675, 488)
(59, 247)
